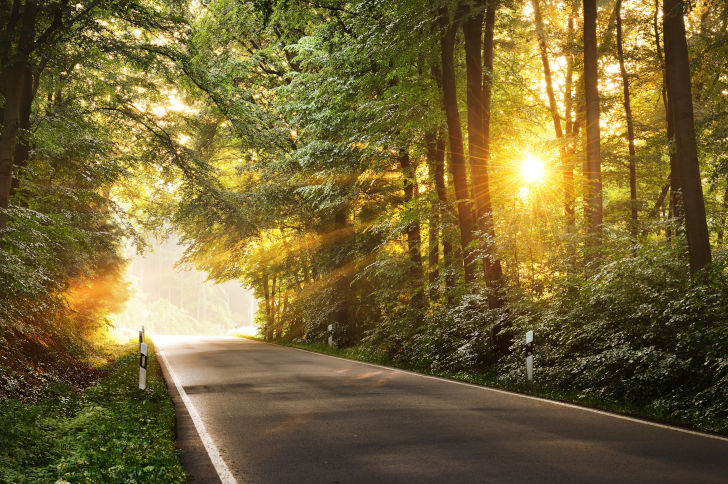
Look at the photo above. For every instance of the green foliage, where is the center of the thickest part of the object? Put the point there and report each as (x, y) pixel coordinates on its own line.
(638, 334)
(638, 331)
(109, 432)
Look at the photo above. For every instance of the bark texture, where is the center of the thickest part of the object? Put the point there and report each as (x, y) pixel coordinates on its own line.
(679, 94)
(455, 141)
(593, 171)
(630, 123)
(478, 111)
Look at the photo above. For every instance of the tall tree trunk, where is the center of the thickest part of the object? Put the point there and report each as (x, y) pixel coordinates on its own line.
(567, 167)
(341, 315)
(686, 153)
(435, 158)
(446, 211)
(543, 49)
(448, 30)
(478, 148)
(630, 124)
(593, 171)
(414, 237)
(675, 205)
(14, 75)
(501, 334)
(22, 147)
(14, 80)
(445, 208)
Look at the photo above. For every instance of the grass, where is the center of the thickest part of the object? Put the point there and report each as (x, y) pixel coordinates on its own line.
(109, 432)
(633, 409)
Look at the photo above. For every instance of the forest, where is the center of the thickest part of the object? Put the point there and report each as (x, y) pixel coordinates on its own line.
(432, 178)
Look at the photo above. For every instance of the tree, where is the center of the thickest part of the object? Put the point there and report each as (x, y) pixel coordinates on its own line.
(414, 238)
(630, 123)
(448, 29)
(478, 154)
(679, 94)
(592, 168)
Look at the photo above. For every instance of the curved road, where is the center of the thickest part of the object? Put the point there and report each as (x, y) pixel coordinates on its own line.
(281, 415)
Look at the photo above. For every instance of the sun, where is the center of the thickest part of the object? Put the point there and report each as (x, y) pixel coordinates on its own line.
(532, 169)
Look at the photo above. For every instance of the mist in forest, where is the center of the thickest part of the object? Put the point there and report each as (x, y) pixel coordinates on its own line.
(168, 300)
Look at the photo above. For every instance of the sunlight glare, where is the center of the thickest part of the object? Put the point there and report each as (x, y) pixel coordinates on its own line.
(532, 169)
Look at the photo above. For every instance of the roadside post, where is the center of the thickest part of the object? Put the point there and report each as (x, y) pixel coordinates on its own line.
(142, 364)
(141, 338)
(331, 335)
(529, 355)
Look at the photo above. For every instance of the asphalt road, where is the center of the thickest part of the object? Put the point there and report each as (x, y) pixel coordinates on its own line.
(281, 415)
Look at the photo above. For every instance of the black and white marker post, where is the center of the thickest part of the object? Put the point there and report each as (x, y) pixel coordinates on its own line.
(529, 355)
(331, 335)
(142, 364)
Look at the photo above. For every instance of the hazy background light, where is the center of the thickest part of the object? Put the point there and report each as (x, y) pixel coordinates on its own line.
(170, 301)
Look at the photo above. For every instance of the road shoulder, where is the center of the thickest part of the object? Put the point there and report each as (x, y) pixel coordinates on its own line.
(194, 456)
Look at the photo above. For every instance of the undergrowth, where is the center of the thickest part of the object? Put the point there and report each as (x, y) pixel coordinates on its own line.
(109, 432)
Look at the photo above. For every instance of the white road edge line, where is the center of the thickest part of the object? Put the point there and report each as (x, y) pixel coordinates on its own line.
(506, 392)
(226, 477)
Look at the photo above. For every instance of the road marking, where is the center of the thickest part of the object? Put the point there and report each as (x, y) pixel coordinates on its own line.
(506, 392)
(221, 468)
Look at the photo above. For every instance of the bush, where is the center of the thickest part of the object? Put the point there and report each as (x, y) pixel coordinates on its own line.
(639, 331)
(110, 432)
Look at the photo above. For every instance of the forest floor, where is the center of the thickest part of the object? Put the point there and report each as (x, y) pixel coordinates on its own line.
(101, 429)
(632, 409)
(31, 362)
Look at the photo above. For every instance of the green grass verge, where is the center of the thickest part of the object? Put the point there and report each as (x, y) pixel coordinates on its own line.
(633, 409)
(110, 432)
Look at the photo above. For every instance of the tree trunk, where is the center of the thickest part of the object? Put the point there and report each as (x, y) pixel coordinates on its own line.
(567, 168)
(592, 172)
(478, 111)
(444, 207)
(414, 237)
(448, 30)
(681, 104)
(14, 75)
(674, 204)
(434, 153)
(14, 80)
(22, 147)
(543, 48)
(341, 314)
(630, 124)
(660, 202)
(446, 211)
(501, 335)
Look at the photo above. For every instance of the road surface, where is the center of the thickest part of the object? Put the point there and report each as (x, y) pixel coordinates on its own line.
(272, 414)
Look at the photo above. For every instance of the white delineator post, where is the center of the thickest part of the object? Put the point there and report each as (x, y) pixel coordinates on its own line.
(143, 366)
(331, 335)
(529, 355)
